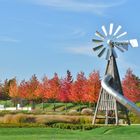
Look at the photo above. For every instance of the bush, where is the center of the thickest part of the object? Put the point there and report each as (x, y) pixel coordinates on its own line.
(85, 120)
(8, 125)
(7, 118)
(87, 111)
(134, 119)
(52, 119)
(45, 119)
(74, 126)
(6, 103)
(18, 118)
(5, 112)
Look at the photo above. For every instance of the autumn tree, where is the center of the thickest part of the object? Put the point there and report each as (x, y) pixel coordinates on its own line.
(78, 89)
(54, 89)
(5, 89)
(14, 92)
(131, 86)
(43, 90)
(92, 88)
(65, 89)
(28, 89)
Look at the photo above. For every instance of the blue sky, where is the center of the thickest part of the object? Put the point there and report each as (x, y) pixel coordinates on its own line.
(46, 36)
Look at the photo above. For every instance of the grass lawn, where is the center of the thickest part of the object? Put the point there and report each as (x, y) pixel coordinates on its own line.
(103, 133)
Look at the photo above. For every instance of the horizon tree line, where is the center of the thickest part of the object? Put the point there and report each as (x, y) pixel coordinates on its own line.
(82, 90)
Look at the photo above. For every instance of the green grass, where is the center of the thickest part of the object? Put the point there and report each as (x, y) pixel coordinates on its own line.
(7, 103)
(102, 133)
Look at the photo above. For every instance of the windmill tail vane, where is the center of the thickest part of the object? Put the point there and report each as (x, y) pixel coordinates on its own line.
(111, 100)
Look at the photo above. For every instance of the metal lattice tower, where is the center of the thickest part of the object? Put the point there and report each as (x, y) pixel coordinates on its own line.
(105, 46)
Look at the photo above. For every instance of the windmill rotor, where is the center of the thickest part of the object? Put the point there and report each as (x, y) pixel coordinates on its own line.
(107, 42)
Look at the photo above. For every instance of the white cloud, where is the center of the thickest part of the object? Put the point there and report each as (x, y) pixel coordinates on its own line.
(79, 33)
(96, 7)
(79, 50)
(8, 39)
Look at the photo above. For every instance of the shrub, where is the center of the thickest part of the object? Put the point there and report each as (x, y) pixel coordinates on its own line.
(85, 120)
(52, 119)
(5, 125)
(74, 126)
(134, 118)
(4, 112)
(18, 118)
(7, 118)
(45, 119)
(87, 111)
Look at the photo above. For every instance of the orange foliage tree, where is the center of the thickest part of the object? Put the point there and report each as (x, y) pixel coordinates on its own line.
(78, 89)
(93, 86)
(28, 89)
(43, 90)
(131, 86)
(54, 89)
(14, 92)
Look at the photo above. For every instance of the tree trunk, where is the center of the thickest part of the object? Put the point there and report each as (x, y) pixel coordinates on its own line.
(79, 107)
(54, 106)
(66, 107)
(89, 105)
(33, 104)
(42, 105)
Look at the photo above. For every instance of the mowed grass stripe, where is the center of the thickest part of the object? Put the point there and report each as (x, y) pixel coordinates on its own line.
(102, 133)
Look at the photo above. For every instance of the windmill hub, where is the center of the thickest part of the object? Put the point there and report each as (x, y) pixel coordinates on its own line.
(108, 41)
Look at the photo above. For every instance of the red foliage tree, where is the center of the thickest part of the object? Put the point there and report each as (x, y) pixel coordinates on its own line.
(65, 88)
(28, 89)
(54, 89)
(23, 89)
(131, 86)
(93, 87)
(43, 90)
(78, 89)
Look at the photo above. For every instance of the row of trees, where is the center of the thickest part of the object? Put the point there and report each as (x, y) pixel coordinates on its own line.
(82, 90)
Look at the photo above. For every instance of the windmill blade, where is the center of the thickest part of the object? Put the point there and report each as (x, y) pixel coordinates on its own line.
(119, 48)
(99, 35)
(124, 33)
(111, 29)
(102, 52)
(124, 44)
(107, 54)
(114, 53)
(125, 47)
(117, 30)
(104, 30)
(121, 43)
(134, 43)
(97, 40)
(97, 48)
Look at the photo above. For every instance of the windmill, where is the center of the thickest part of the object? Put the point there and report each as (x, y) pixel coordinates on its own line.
(106, 45)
